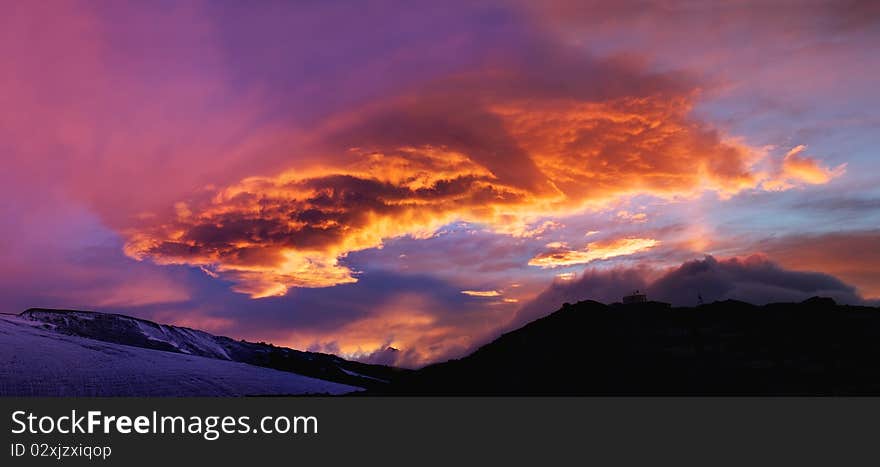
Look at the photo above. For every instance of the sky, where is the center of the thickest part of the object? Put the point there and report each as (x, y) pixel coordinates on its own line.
(347, 177)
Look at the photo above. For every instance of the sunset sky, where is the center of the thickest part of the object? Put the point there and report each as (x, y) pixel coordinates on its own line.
(349, 176)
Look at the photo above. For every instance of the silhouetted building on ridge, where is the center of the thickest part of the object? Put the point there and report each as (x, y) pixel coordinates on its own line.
(636, 297)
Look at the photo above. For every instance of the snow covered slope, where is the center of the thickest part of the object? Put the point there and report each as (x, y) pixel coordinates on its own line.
(126, 330)
(37, 361)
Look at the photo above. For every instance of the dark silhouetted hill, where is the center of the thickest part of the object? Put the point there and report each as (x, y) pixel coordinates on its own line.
(723, 348)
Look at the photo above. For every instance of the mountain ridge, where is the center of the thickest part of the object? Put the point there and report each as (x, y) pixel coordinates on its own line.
(138, 332)
(39, 362)
(815, 347)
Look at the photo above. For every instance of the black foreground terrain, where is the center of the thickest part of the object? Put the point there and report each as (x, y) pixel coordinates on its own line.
(725, 348)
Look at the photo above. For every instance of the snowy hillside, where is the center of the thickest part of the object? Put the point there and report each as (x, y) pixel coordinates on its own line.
(36, 361)
(129, 331)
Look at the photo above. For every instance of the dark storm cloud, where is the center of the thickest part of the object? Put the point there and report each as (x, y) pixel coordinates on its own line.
(754, 279)
(851, 255)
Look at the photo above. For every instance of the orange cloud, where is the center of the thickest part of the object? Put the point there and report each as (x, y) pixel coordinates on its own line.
(796, 168)
(408, 322)
(636, 217)
(507, 149)
(482, 293)
(595, 251)
(599, 151)
(269, 234)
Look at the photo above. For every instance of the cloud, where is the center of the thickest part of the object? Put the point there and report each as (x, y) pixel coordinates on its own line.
(269, 175)
(796, 168)
(388, 356)
(482, 293)
(754, 279)
(851, 255)
(506, 146)
(269, 234)
(595, 251)
(87, 270)
(632, 217)
(412, 322)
